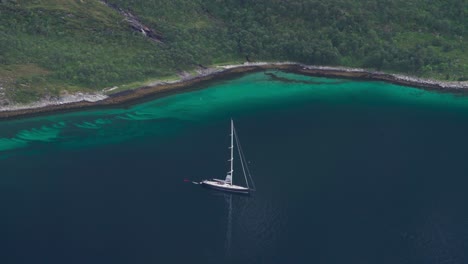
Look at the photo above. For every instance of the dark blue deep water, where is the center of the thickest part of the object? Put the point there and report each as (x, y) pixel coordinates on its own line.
(346, 172)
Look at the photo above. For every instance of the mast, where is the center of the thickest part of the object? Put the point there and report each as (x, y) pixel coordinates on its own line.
(229, 174)
(232, 149)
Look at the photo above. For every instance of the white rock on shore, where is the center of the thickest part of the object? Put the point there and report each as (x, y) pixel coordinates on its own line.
(400, 77)
(95, 97)
(69, 98)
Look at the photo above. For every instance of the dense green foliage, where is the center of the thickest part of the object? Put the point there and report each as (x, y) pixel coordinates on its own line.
(79, 45)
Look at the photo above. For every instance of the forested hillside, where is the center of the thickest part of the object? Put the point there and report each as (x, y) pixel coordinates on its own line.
(47, 46)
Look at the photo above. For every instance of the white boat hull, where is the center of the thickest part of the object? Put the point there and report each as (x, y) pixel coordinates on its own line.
(222, 186)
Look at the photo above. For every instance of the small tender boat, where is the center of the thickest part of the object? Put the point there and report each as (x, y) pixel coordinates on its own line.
(226, 184)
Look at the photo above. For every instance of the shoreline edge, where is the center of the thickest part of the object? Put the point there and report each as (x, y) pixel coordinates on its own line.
(81, 101)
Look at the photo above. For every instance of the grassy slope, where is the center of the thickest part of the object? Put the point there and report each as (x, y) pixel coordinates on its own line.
(80, 46)
(48, 46)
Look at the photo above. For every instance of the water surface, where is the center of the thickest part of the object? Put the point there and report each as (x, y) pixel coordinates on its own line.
(346, 171)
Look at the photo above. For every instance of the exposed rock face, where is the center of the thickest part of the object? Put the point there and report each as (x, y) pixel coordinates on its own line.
(136, 24)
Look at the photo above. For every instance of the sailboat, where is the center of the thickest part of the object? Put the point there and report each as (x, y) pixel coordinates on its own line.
(227, 184)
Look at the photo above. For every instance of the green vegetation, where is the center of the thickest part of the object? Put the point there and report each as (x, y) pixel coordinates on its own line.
(52, 45)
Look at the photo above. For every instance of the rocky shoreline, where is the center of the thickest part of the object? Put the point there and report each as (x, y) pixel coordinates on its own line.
(80, 101)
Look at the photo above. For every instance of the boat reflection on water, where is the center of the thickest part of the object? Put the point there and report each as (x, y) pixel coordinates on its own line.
(235, 208)
(227, 244)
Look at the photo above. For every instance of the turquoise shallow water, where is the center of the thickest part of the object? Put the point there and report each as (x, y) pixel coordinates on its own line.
(249, 93)
(347, 172)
